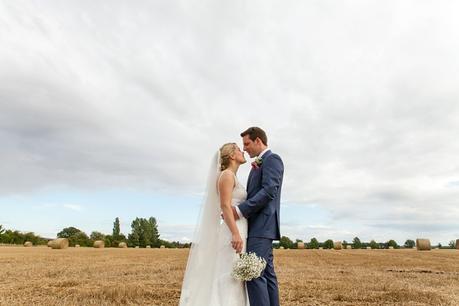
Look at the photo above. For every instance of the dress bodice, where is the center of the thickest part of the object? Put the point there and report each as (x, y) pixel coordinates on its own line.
(239, 193)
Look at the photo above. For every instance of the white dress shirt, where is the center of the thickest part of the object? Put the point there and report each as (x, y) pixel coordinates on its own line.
(259, 156)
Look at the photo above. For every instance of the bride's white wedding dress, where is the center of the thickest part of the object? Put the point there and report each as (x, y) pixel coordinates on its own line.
(225, 289)
(208, 280)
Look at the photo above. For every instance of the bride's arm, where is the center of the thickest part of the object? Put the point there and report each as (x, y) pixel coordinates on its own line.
(225, 186)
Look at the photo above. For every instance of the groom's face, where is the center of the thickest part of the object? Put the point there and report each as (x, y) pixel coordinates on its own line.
(251, 146)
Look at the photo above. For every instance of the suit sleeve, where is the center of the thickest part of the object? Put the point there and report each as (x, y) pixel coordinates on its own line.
(273, 170)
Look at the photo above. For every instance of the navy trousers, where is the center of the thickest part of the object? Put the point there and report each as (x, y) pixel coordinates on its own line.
(263, 291)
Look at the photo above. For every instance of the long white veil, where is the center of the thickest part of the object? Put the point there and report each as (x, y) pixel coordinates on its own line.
(196, 287)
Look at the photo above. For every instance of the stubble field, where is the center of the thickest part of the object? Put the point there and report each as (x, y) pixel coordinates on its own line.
(86, 276)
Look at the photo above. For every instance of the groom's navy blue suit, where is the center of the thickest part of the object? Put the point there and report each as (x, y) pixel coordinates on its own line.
(261, 209)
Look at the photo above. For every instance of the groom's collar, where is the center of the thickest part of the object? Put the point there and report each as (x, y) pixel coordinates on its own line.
(263, 153)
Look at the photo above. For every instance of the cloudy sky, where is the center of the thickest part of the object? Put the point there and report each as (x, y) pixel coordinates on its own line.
(111, 108)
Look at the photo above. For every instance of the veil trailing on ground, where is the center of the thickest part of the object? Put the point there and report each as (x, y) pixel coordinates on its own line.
(200, 269)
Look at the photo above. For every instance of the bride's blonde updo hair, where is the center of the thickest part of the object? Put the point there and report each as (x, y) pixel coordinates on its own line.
(225, 153)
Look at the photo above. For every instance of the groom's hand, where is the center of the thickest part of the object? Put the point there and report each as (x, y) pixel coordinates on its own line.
(236, 216)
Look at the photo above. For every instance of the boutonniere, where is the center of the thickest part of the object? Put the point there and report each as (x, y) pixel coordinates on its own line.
(257, 163)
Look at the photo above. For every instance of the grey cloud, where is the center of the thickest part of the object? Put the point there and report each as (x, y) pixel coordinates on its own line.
(418, 227)
(360, 101)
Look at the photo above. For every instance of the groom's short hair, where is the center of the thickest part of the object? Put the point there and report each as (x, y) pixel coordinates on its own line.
(255, 132)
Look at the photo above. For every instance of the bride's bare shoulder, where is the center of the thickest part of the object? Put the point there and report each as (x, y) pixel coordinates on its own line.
(226, 178)
(227, 175)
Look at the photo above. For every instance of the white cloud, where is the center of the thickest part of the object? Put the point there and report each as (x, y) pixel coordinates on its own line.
(360, 101)
(74, 207)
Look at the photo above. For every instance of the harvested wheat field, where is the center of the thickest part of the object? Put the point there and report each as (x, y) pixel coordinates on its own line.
(114, 276)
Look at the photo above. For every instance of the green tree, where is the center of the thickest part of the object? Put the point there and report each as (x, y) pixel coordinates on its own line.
(97, 236)
(109, 241)
(144, 232)
(68, 232)
(154, 236)
(328, 244)
(116, 236)
(356, 243)
(286, 242)
(81, 239)
(136, 232)
(16, 237)
(116, 228)
(2, 231)
(392, 243)
(147, 236)
(452, 244)
(75, 236)
(374, 244)
(13, 237)
(410, 244)
(313, 244)
(122, 238)
(30, 236)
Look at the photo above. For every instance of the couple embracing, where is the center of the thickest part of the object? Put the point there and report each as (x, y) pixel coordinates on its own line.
(250, 224)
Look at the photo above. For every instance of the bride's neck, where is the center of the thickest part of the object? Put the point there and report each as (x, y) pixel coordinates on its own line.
(233, 167)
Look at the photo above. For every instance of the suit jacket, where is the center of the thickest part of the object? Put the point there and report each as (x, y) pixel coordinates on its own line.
(262, 207)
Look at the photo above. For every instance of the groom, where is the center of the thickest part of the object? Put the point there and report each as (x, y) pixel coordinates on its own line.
(261, 209)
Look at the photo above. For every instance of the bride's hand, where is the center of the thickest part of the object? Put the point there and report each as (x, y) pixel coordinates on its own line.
(237, 242)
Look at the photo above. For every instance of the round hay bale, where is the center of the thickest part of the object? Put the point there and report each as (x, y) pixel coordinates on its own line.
(337, 245)
(368, 248)
(77, 245)
(423, 245)
(28, 244)
(391, 248)
(60, 243)
(148, 247)
(137, 247)
(321, 248)
(349, 247)
(122, 245)
(281, 247)
(300, 245)
(99, 244)
(50, 243)
(162, 247)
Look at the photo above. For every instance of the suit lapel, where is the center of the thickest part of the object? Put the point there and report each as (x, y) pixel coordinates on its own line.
(249, 180)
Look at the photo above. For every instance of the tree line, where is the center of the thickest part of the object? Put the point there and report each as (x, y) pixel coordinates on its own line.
(144, 232)
(356, 243)
(9, 236)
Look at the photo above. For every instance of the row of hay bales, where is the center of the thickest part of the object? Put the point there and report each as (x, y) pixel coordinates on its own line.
(63, 243)
(421, 245)
(337, 245)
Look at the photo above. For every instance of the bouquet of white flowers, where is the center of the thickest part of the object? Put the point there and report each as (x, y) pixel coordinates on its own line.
(248, 267)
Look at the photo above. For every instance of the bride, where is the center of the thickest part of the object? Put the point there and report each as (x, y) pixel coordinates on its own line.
(216, 243)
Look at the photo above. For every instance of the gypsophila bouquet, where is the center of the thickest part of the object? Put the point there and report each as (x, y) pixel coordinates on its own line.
(248, 266)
